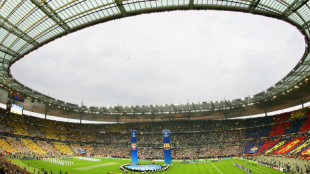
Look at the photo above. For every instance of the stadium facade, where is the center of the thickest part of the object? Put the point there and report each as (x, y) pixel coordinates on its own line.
(26, 25)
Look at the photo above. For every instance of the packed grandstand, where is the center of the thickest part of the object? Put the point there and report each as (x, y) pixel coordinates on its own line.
(285, 134)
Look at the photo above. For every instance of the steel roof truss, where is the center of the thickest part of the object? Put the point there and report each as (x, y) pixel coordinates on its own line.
(294, 7)
(121, 7)
(16, 31)
(48, 11)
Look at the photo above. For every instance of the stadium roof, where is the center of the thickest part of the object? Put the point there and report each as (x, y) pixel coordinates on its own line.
(29, 24)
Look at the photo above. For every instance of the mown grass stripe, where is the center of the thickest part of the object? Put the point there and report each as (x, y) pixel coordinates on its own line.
(95, 166)
(113, 165)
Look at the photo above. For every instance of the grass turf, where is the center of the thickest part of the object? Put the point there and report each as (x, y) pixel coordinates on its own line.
(113, 165)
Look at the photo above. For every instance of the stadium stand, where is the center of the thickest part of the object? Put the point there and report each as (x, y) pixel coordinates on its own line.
(253, 147)
(306, 126)
(279, 129)
(19, 128)
(33, 147)
(7, 167)
(6, 147)
(290, 145)
(282, 117)
(306, 152)
(295, 126)
(63, 148)
(17, 144)
(275, 147)
(299, 113)
(285, 134)
(47, 147)
(301, 148)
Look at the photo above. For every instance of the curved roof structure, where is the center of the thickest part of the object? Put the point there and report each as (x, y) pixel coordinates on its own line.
(29, 24)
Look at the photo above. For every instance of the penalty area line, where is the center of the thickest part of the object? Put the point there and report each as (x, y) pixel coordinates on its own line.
(217, 169)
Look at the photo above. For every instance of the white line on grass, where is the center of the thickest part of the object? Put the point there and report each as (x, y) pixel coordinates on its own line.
(259, 169)
(247, 167)
(217, 169)
(254, 168)
(95, 166)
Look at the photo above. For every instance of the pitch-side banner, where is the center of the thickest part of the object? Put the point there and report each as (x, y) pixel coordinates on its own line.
(167, 147)
(134, 148)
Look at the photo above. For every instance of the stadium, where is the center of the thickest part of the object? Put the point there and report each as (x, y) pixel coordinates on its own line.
(197, 137)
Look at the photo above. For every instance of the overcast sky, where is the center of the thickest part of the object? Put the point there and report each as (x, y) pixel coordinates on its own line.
(164, 58)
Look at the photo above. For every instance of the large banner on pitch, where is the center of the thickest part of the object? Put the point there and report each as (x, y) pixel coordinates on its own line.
(167, 147)
(134, 148)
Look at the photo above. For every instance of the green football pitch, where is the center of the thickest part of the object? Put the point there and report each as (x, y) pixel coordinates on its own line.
(113, 165)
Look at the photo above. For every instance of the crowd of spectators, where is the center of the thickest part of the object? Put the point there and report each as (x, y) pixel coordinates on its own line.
(18, 145)
(7, 167)
(189, 138)
(289, 165)
(47, 147)
(112, 151)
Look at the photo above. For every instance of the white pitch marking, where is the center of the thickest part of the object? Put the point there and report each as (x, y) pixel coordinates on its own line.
(217, 169)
